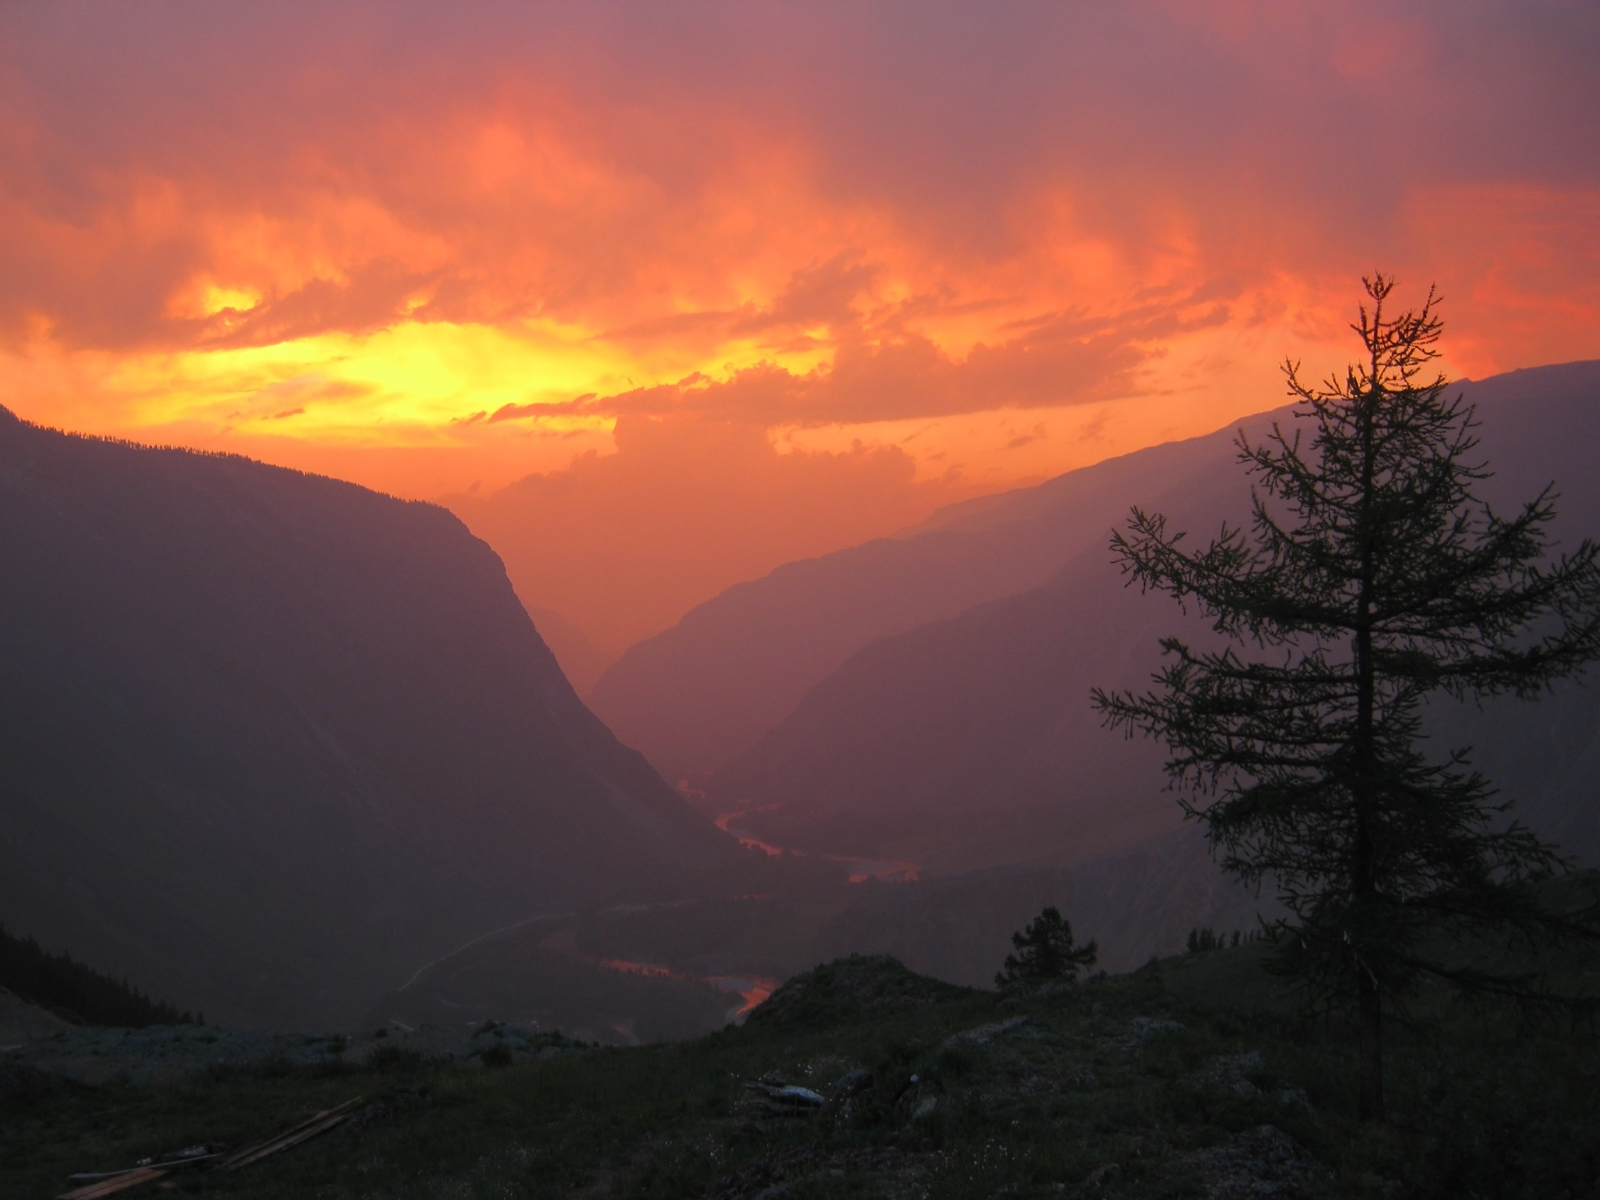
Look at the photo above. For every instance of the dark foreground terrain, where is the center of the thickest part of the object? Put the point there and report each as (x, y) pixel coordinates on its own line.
(1191, 1077)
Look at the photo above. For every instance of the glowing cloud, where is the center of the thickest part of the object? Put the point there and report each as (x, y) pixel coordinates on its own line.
(434, 248)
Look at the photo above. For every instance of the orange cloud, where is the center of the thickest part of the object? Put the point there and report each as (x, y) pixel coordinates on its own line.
(633, 539)
(432, 248)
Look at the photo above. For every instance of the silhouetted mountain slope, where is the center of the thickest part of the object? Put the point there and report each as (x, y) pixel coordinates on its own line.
(970, 741)
(707, 689)
(271, 741)
(582, 662)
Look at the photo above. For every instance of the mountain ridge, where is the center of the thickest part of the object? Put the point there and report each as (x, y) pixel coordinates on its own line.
(283, 712)
(978, 726)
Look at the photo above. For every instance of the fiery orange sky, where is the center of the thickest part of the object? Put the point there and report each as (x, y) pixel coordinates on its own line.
(660, 296)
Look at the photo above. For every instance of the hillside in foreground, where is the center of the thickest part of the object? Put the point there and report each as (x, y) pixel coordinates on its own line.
(1191, 1077)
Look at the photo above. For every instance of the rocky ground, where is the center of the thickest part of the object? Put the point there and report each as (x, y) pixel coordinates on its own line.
(22, 1022)
(857, 1079)
(169, 1053)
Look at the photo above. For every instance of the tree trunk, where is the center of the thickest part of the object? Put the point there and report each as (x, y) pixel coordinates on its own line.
(1369, 1105)
(1364, 885)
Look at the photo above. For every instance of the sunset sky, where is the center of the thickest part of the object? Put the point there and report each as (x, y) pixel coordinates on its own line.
(659, 296)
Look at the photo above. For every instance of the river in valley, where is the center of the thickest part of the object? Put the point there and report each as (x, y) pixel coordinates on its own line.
(560, 934)
(884, 870)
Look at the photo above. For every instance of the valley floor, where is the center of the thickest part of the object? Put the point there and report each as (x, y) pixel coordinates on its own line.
(1191, 1077)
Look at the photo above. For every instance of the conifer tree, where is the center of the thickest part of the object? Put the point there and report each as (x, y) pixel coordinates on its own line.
(1369, 578)
(1045, 952)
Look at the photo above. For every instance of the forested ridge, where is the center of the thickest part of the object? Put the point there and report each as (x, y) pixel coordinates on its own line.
(76, 992)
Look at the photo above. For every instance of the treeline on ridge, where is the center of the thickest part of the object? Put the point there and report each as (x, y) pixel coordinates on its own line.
(78, 993)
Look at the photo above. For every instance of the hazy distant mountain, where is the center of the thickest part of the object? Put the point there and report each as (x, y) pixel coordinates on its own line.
(271, 741)
(581, 660)
(707, 689)
(970, 741)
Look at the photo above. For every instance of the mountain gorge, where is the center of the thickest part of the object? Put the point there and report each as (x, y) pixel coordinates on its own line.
(706, 690)
(273, 741)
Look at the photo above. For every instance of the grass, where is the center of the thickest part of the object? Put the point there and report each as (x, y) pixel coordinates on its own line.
(1157, 1084)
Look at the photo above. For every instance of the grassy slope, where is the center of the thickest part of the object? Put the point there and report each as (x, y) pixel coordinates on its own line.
(1481, 1106)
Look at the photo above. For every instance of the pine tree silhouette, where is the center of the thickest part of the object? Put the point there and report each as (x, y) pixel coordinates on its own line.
(1371, 578)
(1045, 952)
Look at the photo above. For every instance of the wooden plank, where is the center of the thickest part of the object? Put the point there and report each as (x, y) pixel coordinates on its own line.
(176, 1164)
(118, 1183)
(302, 1134)
(320, 1123)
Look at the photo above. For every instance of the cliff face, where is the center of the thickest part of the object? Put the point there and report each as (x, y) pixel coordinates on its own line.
(271, 741)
